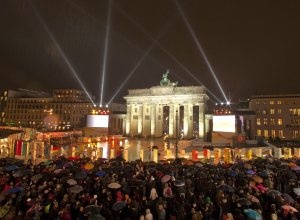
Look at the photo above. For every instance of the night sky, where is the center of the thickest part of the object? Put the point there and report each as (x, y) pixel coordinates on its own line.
(252, 46)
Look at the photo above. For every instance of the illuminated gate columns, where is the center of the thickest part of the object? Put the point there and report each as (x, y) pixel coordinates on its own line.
(166, 110)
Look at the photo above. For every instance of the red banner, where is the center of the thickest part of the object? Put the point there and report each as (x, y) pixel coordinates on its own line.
(18, 147)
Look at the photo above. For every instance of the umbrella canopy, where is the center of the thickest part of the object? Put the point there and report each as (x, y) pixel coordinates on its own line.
(96, 217)
(100, 173)
(11, 168)
(89, 166)
(92, 209)
(22, 172)
(37, 177)
(289, 208)
(292, 164)
(114, 185)
(179, 183)
(297, 191)
(296, 168)
(14, 190)
(253, 214)
(118, 206)
(225, 188)
(247, 166)
(71, 182)
(3, 211)
(57, 171)
(273, 193)
(80, 175)
(252, 198)
(287, 198)
(250, 172)
(244, 201)
(48, 162)
(257, 179)
(75, 189)
(165, 178)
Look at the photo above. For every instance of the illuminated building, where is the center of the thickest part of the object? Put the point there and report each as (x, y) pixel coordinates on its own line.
(64, 110)
(277, 116)
(165, 110)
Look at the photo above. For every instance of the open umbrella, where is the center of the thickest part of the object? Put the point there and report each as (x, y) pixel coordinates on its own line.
(14, 190)
(297, 191)
(71, 182)
(92, 209)
(89, 166)
(179, 183)
(257, 179)
(22, 172)
(244, 201)
(80, 175)
(37, 177)
(100, 173)
(252, 214)
(57, 171)
(252, 198)
(165, 178)
(96, 217)
(289, 208)
(247, 166)
(75, 189)
(287, 198)
(4, 210)
(226, 188)
(48, 162)
(114, 185)
(11, 168)
(295, 168)
(251, 172)
(273, 193)
(118, 206)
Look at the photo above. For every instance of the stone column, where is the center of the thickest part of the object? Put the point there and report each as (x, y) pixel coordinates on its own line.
(128, 120)
(171, 120)
(140, 118)
(201, 120)
(158, 120)
(188, 120)
(152, 119)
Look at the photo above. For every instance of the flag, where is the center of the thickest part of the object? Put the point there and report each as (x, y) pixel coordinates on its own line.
(18, 147)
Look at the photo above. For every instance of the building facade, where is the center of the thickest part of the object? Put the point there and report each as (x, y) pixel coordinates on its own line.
(166, 110)
(64, 110)
(277, 116)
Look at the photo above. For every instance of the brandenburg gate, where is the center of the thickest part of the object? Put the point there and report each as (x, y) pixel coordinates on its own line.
(166, 110)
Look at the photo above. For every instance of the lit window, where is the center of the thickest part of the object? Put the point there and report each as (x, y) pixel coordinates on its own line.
(272, 111)
(258, 132)
(279, 102)
(264, 111)
(266, 133)
(265, 121)
(279, 111)
(272, 121)
(273, 134)
(272, 102)
(280, 133)
(258, 121)
(279, 121)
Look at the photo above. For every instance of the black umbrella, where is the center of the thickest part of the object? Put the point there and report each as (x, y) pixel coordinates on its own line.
(92, 209)
(226, 188)
(80, 175)
(244, 202)
(118, 206)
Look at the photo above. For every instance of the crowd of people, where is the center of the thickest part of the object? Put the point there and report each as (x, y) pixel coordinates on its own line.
(73, 188)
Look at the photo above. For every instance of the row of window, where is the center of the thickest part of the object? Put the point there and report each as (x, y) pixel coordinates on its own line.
(277, 133)
(273, 102)
(273, 121)
(272, 111)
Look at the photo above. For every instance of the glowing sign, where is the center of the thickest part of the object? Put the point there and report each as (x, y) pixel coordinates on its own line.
(224, 123)
(97, 121)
